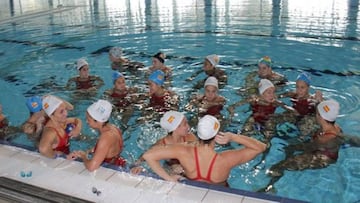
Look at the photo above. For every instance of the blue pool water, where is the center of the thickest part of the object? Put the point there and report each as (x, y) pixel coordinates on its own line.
(39, 44)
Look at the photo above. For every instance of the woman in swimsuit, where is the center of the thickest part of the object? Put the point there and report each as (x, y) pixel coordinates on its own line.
(263, 108)
(54, 139)
(320, 152)
(200, 161)
(110, 143)
(84, 82)
(175, 123)
(158, 63)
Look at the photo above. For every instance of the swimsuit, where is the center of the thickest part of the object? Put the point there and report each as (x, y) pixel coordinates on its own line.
(199, 176)
(63, 144)
(116, 160)
(85, 84)
(327, 151)
(303, 106)
(261, 113)
(3, 123)
(212, 110)
(121, 100)
(160, 103)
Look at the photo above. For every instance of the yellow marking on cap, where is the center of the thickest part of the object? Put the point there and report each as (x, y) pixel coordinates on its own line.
(34, 104)
(171, 119)
(326, 108)
(216, 126)
(46, 105)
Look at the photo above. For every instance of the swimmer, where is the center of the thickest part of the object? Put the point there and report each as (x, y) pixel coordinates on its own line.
(211, 103)
(85, 81)
(210, 68)
(110, 143)
(161, 99)
(263, 107)
(320, 152)
(264, 72)
(158, 63)
(122, 64)
(59, 129)
(175, 123)
(201, 162)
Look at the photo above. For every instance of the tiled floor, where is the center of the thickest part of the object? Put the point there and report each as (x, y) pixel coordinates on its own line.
(71, 178)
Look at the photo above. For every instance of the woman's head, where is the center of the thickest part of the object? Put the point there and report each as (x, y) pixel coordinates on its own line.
(34, 104)
(208, 127)
(119, 81)
(328, 110)
(98, 112)
(158, 60)
(266, 90)
(303, 85)
(55, 108)
(264, 67)
(83, 68)
(174, 122)
(156, 80)
(211, 88)
(210, 62)
(115, 54)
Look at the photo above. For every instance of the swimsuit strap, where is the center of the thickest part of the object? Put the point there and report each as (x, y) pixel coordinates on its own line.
(211, 167)
(198, 175)
(61, 139)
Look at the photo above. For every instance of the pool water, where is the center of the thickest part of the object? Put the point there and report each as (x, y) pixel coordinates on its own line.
(40, 43)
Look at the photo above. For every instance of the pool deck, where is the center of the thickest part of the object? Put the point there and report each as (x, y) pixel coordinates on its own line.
(72, 179)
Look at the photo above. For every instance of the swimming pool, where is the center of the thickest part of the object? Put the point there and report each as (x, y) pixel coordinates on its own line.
(38, 52)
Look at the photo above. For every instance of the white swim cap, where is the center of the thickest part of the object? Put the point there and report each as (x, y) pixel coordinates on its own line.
(264, 84)
(329, 110)
(50, 104)
(213, 59)
(211, 81)
(208, 127)
(171, 120)
(80, 63)
(100, 110)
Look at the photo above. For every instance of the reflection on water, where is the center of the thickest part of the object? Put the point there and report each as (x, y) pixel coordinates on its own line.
(38, 49)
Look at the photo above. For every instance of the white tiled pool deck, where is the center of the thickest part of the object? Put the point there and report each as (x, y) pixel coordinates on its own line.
(71, 178)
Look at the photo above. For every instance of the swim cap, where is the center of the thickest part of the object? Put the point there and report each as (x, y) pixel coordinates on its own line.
(213, 59)
(100, 110)
(34, 104)
(264, 84)
(171, 120)
(115, 52)
(50, 104)
(80, 63)
(304, 77)
(208, 127)
(329, 110)
(265, 60)
(158, 77)
(211, 81)
(160, 56)
(116, 75)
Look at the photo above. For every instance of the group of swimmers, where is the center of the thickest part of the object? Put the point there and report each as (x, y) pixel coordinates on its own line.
(188, 155)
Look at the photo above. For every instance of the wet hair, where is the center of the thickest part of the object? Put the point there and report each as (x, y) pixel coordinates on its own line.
(208, 141)
(160, 57)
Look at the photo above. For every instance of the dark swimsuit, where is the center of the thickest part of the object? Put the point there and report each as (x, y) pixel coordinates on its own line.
(212, 110)
(85, 84)
(199, 177)
(159, 103)
(116, 160)
(121, 100)
(303, 106)
(63, 144)
(3, 123)
(261, 113)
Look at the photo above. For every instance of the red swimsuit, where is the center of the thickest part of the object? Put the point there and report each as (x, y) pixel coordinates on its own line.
(63, 144)
(303, 106)
(116, 160)
(85, 84)
(199, 176)
(121, 100)
(160, 103)
(261, 113)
